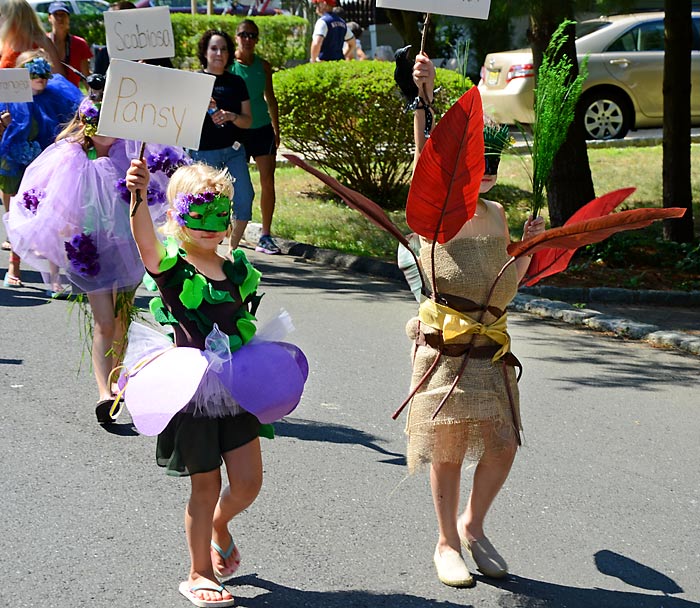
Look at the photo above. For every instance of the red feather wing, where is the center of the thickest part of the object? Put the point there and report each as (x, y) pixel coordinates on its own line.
(573, 236)
(445, 185)
(353, 199)
(549, 261)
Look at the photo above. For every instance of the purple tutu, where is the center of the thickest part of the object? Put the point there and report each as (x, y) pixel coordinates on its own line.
(265, 378)
(71, 213)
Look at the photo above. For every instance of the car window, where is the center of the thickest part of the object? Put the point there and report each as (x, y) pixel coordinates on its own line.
(41, 7)
(696, 34)
(645, 37)
(588, 27)
(87, 7)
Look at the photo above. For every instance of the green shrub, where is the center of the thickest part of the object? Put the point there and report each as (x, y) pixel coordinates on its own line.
(282, 37)
(347, 116)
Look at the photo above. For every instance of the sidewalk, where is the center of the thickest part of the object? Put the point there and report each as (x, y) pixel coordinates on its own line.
(668, 319)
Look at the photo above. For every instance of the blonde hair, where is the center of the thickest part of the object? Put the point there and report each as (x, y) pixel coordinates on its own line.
(195, 179)
(28, 56)
(21, 26)
(74, 132)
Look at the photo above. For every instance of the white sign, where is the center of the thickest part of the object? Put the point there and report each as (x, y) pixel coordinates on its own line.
(14, 85)
(143, 34)
(153, 104)
(477, 9)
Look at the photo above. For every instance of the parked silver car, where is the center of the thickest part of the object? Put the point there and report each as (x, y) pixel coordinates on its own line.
(623, 90)
(78, 7)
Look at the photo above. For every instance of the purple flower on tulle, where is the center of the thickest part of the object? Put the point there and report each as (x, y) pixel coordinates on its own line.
(168, 160)
(82, 255)
(32, 197)
(154, 195)
(89, 113)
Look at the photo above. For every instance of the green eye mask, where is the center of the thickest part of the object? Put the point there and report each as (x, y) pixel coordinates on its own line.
(211, 211)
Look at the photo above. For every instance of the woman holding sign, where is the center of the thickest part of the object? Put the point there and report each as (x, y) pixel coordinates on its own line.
(229, 114)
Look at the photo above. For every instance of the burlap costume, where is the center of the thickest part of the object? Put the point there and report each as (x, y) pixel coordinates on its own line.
(478, 412)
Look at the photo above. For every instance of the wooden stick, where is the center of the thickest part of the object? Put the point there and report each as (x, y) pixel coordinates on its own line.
(139, 199)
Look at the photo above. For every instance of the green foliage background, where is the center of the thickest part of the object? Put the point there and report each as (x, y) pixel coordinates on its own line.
(282, 37)
(347, 116)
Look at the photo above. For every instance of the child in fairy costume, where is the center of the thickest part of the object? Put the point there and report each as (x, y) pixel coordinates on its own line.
(207, 396)
(31, 128)
(71, 219)
(465, 397)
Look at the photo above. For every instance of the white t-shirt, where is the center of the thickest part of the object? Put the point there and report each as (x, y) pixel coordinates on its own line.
(321, 29)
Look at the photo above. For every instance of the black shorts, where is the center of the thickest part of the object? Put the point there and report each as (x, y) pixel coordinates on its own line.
(260, 141)
(194, 444)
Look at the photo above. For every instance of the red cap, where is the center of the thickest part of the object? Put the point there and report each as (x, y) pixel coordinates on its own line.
(328, 2)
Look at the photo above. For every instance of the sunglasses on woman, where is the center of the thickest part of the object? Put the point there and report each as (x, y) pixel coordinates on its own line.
(247, 35)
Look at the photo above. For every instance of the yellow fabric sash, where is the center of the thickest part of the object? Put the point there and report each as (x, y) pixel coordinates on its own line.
(453, 324)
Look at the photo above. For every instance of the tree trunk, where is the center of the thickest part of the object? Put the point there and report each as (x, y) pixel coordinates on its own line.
(409, 25)
(678, 40)
(570, 185)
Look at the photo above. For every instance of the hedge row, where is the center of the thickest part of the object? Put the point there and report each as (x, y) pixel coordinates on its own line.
(282, 37)
(347, 116)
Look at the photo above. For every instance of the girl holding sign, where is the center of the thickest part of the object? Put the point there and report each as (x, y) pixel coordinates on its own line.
(33, 128)
(72, 213)
(224, 379)
(480, 419)
(223, 132)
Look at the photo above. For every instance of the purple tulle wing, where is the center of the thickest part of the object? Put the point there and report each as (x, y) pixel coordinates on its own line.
(159, 390)
(266, 378)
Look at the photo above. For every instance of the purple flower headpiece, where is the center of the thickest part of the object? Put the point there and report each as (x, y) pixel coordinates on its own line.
(32, 197)
(183, 201)
(167, 160)
(89, 113)
(154, 195)
(82, 255)
(38, 68)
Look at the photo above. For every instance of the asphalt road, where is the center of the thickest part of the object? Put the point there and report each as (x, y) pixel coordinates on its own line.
(602, 508)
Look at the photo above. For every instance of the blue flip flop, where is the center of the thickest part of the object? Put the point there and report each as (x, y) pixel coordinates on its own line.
(221, 574)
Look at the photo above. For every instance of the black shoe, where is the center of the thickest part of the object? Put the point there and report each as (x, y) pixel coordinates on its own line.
(102, 411)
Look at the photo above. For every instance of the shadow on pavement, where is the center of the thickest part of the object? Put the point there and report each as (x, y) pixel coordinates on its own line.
(612, 366)
(527, 593)
(308, 430)
(633, 573)
(288, 597)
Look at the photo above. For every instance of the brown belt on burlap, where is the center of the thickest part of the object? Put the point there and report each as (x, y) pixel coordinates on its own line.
(458, 350)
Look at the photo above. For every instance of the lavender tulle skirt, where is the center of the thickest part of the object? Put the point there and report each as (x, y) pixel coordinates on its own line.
(70, 218)
(265, 377)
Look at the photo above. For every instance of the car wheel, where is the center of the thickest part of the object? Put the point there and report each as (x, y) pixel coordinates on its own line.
(606, 115)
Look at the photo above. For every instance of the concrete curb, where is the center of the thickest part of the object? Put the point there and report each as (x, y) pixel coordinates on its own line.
(592, 319)
(541, 301)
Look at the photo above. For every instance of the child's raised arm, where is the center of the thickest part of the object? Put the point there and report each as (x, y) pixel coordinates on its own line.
(150, 248)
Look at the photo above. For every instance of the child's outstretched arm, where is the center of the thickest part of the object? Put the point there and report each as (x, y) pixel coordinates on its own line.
(150, 248)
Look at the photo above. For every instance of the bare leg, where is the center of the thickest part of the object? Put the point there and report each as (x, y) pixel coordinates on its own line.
(13, 270)
(490, 475)
(237, 232)
(266, 167)
(245, 472)
(198, 518)
(444, 482)
(102, 305)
